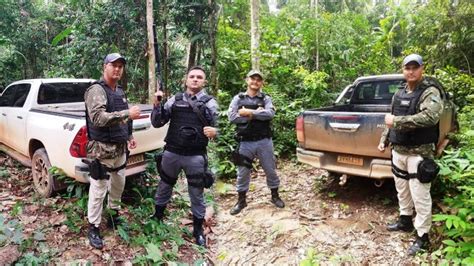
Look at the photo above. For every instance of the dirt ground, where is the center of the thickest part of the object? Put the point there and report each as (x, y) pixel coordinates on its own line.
(339, 224)
(322, 220)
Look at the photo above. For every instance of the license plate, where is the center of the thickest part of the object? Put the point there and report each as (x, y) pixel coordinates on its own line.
(350, 160)
(135, 159)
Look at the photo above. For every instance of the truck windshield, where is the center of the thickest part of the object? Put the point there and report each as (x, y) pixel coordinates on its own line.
(52, 93)
(376, 92)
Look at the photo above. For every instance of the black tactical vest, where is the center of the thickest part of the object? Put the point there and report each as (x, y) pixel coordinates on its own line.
(116, 101)
(407, 104)
(185, 133)
(253, 129)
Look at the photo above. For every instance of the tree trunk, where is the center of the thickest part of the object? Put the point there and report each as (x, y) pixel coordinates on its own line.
(213, 18)
(255, 33)
(194, 46)
(192, 54)
(314, 5)
(164, 61)
(151, 52)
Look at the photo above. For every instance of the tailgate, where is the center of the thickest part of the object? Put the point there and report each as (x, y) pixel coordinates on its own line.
(355, 133)
(148, 138)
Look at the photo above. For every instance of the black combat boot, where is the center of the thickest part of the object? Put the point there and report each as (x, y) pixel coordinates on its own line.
(420, 243)
(276, 200)
(159, 213)
(404, 223)
(198, 231)
(94, 237)
(241, 203)
(114, 220)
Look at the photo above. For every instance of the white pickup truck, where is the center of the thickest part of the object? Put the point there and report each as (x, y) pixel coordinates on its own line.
(42, 124)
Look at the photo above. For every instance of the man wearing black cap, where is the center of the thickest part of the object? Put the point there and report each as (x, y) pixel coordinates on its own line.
(109, 129)
(413, 132)
(252, 113)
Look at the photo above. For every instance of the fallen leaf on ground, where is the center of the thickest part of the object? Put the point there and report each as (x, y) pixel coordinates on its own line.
(57, 219)
(8, 255)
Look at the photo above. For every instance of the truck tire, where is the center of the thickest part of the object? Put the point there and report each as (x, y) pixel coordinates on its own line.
(43, 180)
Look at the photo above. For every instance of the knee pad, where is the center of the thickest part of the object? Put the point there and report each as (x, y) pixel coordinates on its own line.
(196, 180)
(167, 179)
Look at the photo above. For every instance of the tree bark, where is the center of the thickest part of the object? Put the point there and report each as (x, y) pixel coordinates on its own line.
(213, 18)
(164, 61)
(194, 46)
(151, 52)
(255, 33)
(314, 6)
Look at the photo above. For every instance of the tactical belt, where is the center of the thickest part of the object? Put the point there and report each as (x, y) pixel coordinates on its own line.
(251, 138)
(185, 152)
(116, 169)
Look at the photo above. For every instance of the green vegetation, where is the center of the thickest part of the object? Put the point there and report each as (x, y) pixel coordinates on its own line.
(456, 180)
(307, 54)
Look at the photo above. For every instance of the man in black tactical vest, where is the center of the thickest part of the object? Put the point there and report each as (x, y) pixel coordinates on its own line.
(193, 119)
(413, 130)
(109, 129)
(252, 113)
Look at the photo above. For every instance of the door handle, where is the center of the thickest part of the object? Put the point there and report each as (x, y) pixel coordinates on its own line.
(19, 117)
(343, 127)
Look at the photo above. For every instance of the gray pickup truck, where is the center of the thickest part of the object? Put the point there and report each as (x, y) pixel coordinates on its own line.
(343, 138)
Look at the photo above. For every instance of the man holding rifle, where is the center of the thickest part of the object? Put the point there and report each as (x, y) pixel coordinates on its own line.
(193, 118)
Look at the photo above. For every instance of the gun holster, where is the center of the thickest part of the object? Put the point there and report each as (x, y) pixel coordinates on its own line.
(208, 179)
(241, 160)
(158, 159)
(427, 171)
(97, 170)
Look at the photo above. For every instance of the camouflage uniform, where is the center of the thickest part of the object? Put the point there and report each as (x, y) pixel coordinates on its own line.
(110, 154)
(413, 193)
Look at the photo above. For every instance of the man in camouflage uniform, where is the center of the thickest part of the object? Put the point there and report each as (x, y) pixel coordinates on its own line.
(252, 113)
(109, 128)
(413, 131)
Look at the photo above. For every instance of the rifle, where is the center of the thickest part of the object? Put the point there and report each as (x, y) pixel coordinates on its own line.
(157, 62)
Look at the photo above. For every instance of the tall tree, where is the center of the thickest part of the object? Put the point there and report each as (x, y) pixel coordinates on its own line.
(213, 18)
(314, 7)
(164, 57)
(150, 51)
(255, 33)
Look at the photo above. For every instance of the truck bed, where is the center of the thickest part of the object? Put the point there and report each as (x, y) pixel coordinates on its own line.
(77, 110)
(346, 129)
(364, 108)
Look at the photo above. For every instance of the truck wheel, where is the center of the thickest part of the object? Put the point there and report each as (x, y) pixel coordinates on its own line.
(43, 180)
